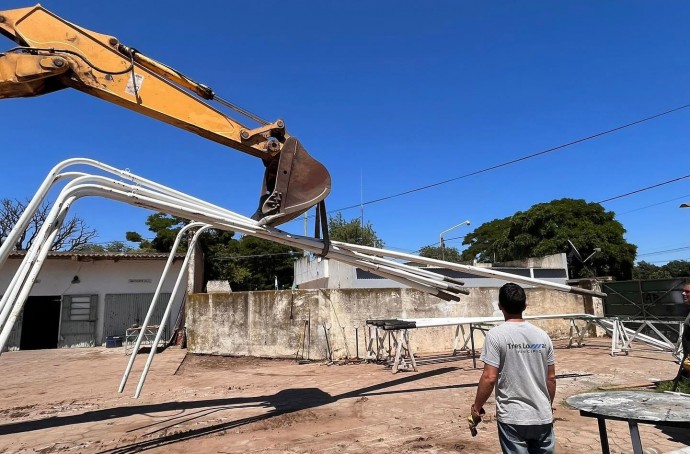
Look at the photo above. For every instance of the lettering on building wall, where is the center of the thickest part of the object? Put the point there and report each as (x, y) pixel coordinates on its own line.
(140, 281)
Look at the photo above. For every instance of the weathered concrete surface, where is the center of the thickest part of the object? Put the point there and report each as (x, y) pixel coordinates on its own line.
(272, 324)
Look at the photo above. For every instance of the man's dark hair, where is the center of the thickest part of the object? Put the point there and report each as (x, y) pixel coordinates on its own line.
(512, 298)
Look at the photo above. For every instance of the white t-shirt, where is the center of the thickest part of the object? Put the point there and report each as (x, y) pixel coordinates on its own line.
(522, 353)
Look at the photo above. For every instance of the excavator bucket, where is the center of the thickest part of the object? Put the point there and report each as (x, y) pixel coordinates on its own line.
(293, 183)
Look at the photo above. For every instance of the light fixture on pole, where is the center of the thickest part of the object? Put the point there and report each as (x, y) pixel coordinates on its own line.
(575, 253)
(443, 254)
(596, 249)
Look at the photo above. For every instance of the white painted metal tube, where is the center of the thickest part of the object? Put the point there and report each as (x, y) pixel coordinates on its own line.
(428, 282)
(184, 211)
(487, 272)
(452, 321)
(415, 282)
(161, 198)
(23, 222)
(162, 203)
(57, 211)
(156, 294)
(55, 176)
(216, 219)
(14, 236)
(25, 289)
(412, 269)
(18, 280)
(166, 314)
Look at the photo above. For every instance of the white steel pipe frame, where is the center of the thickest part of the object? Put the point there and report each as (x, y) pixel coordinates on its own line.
(46, 233)
(83, 186)
(166, 314)
(168, 205)
(22, 291)
(417, 259)
(159, 287)
(19, 279)
(54, 176)
(486, 272)
(148, 194)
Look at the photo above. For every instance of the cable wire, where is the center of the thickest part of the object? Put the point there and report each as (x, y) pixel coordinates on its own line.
(524, 158)
(643, 189)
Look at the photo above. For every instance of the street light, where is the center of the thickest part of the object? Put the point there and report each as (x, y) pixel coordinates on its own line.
(596, 249)
(443, 254)
(575, 253)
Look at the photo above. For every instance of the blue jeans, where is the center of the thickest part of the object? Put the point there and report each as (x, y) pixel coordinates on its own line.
(519, 439)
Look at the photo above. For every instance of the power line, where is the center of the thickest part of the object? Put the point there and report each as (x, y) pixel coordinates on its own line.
(653, 205)
(684, 248)
(524, 158)
(644, 189)
(235, 257)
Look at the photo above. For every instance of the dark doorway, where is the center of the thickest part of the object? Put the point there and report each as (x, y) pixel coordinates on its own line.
(40, 323)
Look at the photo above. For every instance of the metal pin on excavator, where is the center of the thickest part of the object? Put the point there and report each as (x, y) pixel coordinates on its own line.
(54, 54)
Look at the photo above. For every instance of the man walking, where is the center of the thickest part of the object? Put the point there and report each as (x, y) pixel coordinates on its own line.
(519, 362)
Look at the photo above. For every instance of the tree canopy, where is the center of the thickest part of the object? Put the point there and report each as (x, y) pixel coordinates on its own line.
(545, 229)
(353, 232)
(113, 247)
(674, 268)
(248, 263)
(449, 254)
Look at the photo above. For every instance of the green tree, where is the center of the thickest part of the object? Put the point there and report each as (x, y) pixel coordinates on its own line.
(678, 268)
(449, 254)
(113, 246)
(248, 263)
(486, 241)
(353, 232)
(545, 229)
(644, 270)
(264, 262)
(166, 228)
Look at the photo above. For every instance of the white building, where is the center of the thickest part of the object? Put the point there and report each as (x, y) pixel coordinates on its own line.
(79, 299)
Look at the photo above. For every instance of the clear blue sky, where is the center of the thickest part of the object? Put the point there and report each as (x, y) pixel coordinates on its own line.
(391, 96)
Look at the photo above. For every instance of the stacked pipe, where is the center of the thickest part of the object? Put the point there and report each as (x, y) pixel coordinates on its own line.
(149, 194)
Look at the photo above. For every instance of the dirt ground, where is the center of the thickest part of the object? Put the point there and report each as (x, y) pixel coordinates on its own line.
(67, 401)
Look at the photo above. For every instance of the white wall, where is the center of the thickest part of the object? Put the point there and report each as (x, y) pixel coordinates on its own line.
(313, 272)
(99, 277)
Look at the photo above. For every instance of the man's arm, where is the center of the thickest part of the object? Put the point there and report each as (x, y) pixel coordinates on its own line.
(486, 387)
(551, 382)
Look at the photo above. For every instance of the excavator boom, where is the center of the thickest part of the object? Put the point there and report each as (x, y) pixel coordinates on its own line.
(54, 54)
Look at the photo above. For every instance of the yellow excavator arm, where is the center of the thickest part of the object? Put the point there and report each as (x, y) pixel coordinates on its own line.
(54, 54)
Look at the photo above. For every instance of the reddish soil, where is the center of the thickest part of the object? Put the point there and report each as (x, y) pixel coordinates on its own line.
(67, 401)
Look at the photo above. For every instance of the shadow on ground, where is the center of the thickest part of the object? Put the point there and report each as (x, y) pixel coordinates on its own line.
(284, 402)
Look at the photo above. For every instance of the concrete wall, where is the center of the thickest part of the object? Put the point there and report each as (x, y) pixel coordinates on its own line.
(271, 324)
(550, 261)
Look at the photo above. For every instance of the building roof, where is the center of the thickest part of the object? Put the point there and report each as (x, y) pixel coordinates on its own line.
(91, 256)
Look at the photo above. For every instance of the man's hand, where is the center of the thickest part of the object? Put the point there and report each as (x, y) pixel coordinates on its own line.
(477, 414)
(475, 418)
